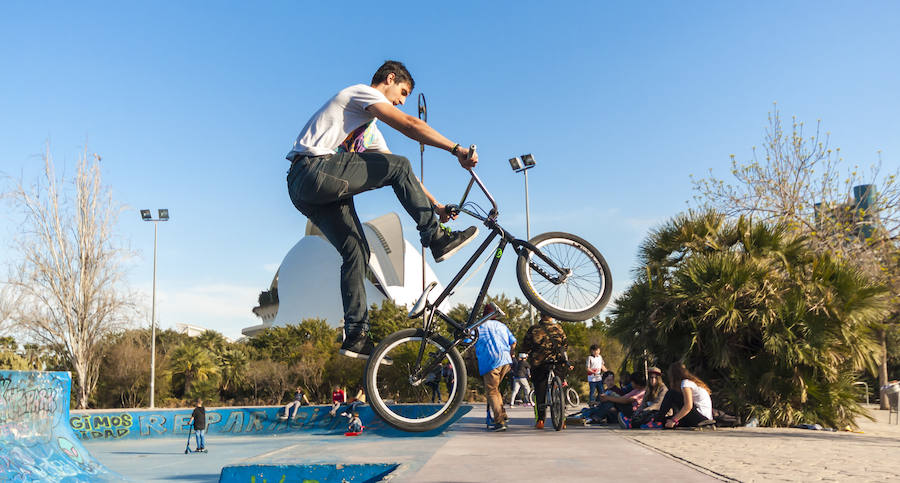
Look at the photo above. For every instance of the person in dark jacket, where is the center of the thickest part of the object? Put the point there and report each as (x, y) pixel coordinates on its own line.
(198, 419)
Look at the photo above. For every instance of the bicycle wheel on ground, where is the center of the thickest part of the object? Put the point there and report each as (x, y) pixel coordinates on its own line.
(398, 392)
(572, 397)
(580, 292)
(557, 403)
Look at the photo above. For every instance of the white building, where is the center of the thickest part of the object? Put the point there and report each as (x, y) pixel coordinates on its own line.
(307, 284)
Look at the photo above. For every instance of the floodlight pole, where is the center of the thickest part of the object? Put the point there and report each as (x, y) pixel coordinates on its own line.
(163, 216)
(153, 323)
(522, 165)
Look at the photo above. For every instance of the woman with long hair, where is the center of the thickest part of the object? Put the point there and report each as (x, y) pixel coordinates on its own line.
(688, 397)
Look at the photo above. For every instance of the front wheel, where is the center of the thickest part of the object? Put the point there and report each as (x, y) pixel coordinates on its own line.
(557, 403)
(399, 393)
(577, 293)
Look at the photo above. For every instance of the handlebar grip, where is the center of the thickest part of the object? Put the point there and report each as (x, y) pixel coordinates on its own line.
(452, 210)
(471, 151)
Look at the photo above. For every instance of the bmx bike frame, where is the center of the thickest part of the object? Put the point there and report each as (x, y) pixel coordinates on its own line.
(466, 332)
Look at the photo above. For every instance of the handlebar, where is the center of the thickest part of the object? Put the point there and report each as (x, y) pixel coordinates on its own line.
(476, 180)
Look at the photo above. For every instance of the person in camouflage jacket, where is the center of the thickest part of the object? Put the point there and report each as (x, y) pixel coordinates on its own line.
(546, 345)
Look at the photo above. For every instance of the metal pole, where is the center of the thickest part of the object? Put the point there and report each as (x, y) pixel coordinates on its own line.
(423, 115)
(528, 237)
(153, 324)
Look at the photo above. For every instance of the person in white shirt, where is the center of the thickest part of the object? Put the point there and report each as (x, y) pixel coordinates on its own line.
(340, 153)
(595, 370)
(689, 397)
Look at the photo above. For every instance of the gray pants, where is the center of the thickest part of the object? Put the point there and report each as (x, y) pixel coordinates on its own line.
(517, 383)
(322, 188)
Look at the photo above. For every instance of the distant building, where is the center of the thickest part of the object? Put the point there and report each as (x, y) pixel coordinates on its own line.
(307, 284)
(191, 330)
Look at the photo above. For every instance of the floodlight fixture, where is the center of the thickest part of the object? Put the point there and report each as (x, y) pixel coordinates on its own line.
(163, 214)
(145, 215)
(516, 164)
(528, 160)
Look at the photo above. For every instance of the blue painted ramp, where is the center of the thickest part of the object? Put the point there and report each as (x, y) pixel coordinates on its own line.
(36, 440)
(361, 473)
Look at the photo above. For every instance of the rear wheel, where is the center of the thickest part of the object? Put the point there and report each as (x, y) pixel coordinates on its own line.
(579, 292)
(398, 392)
(557, 403)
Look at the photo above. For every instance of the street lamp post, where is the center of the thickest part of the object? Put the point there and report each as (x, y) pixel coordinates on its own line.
(146, 216)
(522, 165)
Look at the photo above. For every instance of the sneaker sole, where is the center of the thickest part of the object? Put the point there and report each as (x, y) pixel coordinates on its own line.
(458, 248)
(357, 355)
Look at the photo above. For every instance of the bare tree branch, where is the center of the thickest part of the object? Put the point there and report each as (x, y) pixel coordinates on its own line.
(68, 282)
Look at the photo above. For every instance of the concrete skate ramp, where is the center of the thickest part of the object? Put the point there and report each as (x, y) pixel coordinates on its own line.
(124, 424)
(36, 441)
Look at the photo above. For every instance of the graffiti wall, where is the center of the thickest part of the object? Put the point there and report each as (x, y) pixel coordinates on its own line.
(107, 425)
(161, 423)
(36, 443)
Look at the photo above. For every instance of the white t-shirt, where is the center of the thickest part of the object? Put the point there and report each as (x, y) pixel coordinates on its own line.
(595, 363)
(342, 124)
(700, 397)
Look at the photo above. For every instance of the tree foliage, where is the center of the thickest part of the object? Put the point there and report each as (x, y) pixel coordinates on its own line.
(799, 181)
(776, 328)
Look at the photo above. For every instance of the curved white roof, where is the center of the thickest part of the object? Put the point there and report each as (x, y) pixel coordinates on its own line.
(308, 280)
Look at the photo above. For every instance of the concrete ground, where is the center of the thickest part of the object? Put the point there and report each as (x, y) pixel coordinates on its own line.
(468, 453)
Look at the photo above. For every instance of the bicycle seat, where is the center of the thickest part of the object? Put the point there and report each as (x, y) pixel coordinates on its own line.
(423, 300)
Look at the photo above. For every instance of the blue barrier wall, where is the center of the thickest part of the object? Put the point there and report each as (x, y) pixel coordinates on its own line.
(36, 442)
(235, 421)
(360, 473)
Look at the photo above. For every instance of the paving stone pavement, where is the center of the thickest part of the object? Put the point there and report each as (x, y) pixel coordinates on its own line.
(785, 454)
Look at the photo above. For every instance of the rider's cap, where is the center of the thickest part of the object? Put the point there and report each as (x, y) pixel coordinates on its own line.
(654, 370)
(522, 355)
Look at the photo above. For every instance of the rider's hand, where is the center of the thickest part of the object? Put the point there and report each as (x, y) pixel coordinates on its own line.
(443, 214)
(463, 156)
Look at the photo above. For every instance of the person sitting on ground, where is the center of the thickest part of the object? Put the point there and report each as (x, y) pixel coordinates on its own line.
(611, 405)
(355, 425)
(653, 396)
(546, 345)
(595, 370)
(492, 350)
(355, 402)
(625, 382)
(609, 387)
(299, 400)
(338, 397)
(521, 371)
(689, 398)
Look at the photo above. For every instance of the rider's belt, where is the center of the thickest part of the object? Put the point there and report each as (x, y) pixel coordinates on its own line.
(305, 159)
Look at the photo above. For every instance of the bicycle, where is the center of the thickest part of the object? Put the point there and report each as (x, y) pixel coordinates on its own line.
(555, 399)
(561, 274)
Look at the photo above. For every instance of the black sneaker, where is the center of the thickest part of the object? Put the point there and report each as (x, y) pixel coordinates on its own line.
(361, 347)
(447, 242)
(499, 427)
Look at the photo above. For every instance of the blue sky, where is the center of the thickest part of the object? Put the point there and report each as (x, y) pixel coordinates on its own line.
(193, 105)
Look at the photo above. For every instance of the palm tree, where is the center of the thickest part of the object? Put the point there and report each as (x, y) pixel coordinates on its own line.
(194, 363)
(777, 329)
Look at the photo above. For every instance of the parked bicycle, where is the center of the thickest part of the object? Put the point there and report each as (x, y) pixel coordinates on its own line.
(559, 273)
